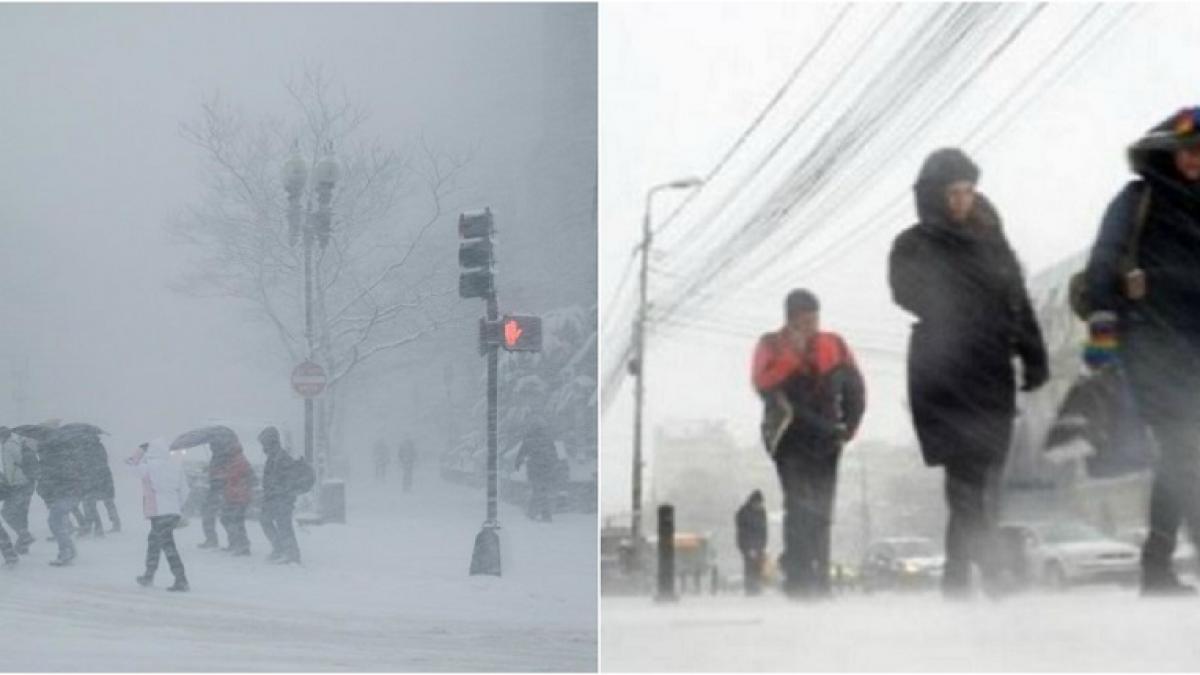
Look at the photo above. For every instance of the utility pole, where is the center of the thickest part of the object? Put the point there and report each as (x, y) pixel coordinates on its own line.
(637, 366)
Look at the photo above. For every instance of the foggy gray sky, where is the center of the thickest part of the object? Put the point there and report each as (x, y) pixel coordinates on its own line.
(94, 166)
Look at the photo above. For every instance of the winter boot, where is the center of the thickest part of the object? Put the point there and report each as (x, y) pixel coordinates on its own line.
(1164, 584)
(275, 556)
(180, 585)
(23, 542)
(240, 551)
(209, 543)
(60, 562)
(146, 580)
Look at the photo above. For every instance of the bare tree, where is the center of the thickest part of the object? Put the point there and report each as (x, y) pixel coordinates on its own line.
(373, 291)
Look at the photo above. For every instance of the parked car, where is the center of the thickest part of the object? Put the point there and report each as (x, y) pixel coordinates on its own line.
(901, 563)
(1061, 554)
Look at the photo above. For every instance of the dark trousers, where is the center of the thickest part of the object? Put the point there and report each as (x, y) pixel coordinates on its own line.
(972, 485)
(209, 509)
(60, 525)
(16, 511)
(7, 550)
(276, 519)
(539, 500)
(162, 542)
(1164, 372)
(233, 519)
(809, 479)
(752, 567)
(91, 514)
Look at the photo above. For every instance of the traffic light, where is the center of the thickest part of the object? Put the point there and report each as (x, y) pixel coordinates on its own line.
(521, 333)
(476, 255)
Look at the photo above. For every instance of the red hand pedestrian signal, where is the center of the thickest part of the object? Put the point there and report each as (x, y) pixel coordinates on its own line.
(512, 333)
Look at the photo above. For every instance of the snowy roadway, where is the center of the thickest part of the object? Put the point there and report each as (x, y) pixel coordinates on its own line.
(1082, 630)
(387, 592)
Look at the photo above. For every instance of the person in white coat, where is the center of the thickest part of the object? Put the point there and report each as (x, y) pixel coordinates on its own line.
(164, 490)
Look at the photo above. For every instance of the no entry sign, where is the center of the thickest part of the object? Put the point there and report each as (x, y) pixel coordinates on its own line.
(308, 379)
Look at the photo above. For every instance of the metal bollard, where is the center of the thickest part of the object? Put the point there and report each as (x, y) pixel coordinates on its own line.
(666, 554)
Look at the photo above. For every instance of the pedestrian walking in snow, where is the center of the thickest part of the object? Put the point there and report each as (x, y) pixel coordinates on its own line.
(814, 399)
(98, 487)
(20, 466)
(237, 477)
(541, 456)
(220, 441)
(954, 270)
(280, 489)
(383, 457)
(164, 490)
(406, 454)
(61, 487)
(751, 530)
(1143, 300)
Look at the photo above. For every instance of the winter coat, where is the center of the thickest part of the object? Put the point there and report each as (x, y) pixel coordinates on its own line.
(12, 462)
(279, 476)
(751, 527)
(823, 388)
(164, 482)
(236, 477)
(97, 475)
(61, 469)
(965, 287)
(1168, 247)
(539, 450)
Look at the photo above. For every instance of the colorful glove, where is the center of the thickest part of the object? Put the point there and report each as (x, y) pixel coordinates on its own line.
(1101, 348)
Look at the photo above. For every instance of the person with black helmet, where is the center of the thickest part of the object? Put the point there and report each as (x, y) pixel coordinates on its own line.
(751, 528)
(1142, 286)
(814, 399)
(956, 273)
(279, 499)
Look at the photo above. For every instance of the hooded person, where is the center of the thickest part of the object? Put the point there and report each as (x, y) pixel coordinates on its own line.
(61, 487)
(237, 480)
(540, 456)
(97, 486)
(1143, 294)
(751, 528)
(279, 499)
(956, 273)
(164, 490)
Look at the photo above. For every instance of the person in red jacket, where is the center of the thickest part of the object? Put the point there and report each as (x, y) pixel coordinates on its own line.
(239, 480)
(814, 399)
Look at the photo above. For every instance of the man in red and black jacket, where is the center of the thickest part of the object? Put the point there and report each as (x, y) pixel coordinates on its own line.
(815, 399)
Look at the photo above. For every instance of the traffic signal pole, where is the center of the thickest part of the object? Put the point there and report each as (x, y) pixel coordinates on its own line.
(493, 395)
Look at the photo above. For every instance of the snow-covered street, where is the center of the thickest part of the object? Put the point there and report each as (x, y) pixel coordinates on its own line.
(1100, 629)
(387, 592)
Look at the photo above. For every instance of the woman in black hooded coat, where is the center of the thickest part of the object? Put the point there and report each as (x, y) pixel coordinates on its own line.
(955, 271)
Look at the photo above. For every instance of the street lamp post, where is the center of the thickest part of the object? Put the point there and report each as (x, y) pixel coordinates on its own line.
(308, 225)
(638, 366)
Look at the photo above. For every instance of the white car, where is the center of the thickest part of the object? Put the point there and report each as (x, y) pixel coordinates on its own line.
(1062, 554)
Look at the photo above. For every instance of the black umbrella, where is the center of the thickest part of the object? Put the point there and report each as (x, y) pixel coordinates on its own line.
(37, 432)
(79, 430)
(217, 436)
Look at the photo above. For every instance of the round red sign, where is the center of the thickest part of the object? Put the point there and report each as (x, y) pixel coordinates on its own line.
(308, 379)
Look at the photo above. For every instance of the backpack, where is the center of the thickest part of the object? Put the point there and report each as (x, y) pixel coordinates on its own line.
(1077, 288)
(301, 476)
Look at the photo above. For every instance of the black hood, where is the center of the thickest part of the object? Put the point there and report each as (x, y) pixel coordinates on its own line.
(940, 169)
(1152, 156)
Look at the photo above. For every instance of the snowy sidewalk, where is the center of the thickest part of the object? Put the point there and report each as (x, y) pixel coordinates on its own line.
(1082, 630)
(387, 592)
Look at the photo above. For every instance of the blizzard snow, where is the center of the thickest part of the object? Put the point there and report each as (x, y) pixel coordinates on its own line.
(1100, 629)
(387, 592)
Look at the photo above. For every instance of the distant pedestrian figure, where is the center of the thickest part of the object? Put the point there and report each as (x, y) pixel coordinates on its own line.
(279, 499)
(751, 529)
(406, 453)
(97, 487)
(20, 467)
(164, 490)
(383, 457)
(539, 451)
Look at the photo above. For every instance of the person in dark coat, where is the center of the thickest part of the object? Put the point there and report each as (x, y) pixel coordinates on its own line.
(237, 477)
(61, 487)
(279, 499)
(1146, 318)
(956, 273)
(21, 469)
(98, 487)
(407, 456)
(542, 456)
(751, 528)
(811, 376)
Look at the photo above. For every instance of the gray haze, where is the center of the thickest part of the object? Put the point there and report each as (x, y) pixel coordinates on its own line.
(94, 166)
